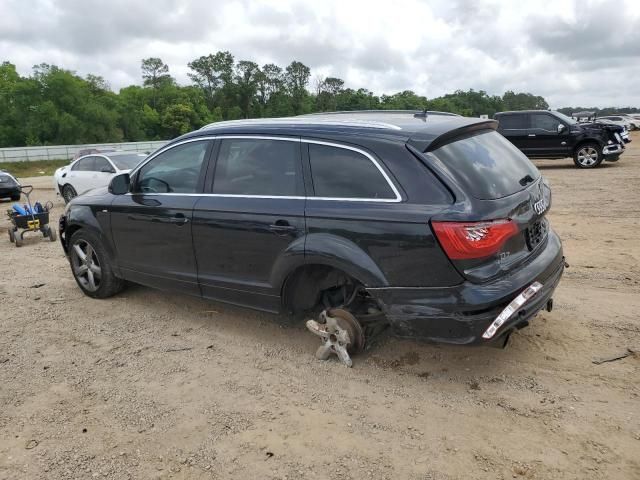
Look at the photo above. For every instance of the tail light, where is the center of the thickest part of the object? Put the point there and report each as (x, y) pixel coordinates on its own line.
(467, 240)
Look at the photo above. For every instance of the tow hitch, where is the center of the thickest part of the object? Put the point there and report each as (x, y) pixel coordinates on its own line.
(341, 334)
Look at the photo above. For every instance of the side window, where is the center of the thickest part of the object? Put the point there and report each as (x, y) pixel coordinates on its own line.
(83, 165)
(258, 167)
(102, 165)
(512, 122)
(341, 173)
(176, 170)
(543, 121)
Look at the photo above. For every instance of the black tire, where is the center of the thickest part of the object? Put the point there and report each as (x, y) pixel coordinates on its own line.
(51, 233)
(588, 155)
(17, 240)
(68, 193)
(12, 235)
(93, 273)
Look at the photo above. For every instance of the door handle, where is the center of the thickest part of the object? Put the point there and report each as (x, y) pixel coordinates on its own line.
(179, 219)
(532, 135)
(282, 226)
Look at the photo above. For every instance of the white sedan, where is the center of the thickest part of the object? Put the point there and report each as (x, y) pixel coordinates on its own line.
(93, 171)
(616, 120)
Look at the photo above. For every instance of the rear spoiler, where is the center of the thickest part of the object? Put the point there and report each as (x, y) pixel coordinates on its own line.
(428, 141)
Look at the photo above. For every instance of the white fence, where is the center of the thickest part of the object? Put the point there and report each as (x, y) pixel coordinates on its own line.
(61, 152)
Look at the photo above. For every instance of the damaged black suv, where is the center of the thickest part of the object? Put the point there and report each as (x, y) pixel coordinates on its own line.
(433, 225)
(551, 134)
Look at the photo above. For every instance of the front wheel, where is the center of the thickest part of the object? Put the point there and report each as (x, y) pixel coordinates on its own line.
(91, 266)
(51, 233)
(588, 155)
(12, 235)
(68, 193)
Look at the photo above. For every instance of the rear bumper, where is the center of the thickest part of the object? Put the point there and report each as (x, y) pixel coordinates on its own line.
(462, 313)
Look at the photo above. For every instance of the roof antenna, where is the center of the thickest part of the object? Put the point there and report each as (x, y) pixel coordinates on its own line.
(422, 115)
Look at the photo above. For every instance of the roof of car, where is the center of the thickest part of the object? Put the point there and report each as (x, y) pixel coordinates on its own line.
(416, 127)
(526, 111)
(121, 152)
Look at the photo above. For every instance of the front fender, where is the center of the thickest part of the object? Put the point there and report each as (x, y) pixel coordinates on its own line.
(91, 218)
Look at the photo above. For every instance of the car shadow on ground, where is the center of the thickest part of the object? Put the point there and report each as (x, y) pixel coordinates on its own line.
(400, 356)
(570, 166)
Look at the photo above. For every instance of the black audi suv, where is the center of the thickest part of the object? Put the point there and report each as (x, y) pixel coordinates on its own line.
(432, 225)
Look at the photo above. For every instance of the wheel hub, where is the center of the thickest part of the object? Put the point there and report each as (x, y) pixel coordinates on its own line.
(340, 333)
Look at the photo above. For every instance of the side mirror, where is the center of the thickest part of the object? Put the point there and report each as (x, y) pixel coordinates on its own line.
(561, 127)
(120, 184)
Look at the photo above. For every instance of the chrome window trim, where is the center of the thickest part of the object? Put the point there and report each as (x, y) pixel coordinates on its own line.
(375, 162)
(397, 199)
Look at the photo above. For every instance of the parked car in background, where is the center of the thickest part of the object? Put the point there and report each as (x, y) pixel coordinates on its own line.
(616, 120)
(434, 224)
(551, 134)
(93, 171)
(9, 186)
(633, 121)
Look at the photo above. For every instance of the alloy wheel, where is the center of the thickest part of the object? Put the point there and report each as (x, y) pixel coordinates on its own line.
(587, 156)
(68, 193)
(85, 265)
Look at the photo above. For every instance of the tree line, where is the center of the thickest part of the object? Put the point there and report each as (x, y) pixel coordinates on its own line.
(54, 106)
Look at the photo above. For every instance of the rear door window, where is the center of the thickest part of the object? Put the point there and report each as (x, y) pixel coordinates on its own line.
(258, 167)
(487, 165)
(343, 173)
(513, 122)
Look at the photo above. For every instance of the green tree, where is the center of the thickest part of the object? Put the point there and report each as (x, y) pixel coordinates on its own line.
(211, 73)
(246, 81)
(296, 79)
(155, 73)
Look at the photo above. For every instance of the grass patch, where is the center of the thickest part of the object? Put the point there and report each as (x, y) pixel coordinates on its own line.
(33, 169)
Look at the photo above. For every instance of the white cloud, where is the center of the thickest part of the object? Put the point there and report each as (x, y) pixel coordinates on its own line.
(573, 52)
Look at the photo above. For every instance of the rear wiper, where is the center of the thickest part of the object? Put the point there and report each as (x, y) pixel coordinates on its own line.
(526, 179)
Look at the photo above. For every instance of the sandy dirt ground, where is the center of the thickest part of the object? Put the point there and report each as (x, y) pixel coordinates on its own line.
(156, 385)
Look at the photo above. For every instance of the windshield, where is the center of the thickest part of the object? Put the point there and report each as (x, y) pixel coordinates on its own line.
(127, 162)
(488, 165)
(6, 178)
(565, 118)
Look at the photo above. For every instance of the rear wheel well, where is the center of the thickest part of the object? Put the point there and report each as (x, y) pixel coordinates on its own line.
(312, 288)
(582, 143)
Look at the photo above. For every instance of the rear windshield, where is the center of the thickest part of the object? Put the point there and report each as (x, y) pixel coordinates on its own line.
(488, 165)
(127, 162)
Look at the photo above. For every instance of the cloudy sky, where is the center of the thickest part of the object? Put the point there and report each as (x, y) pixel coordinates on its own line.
(583, 52)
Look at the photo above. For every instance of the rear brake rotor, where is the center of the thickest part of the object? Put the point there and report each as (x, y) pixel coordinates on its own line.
(341, 334)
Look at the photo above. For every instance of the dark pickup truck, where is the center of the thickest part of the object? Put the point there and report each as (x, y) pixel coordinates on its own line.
(551, 134)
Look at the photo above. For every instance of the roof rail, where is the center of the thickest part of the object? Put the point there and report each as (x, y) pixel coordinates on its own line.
(377, 112)
(301, 120)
